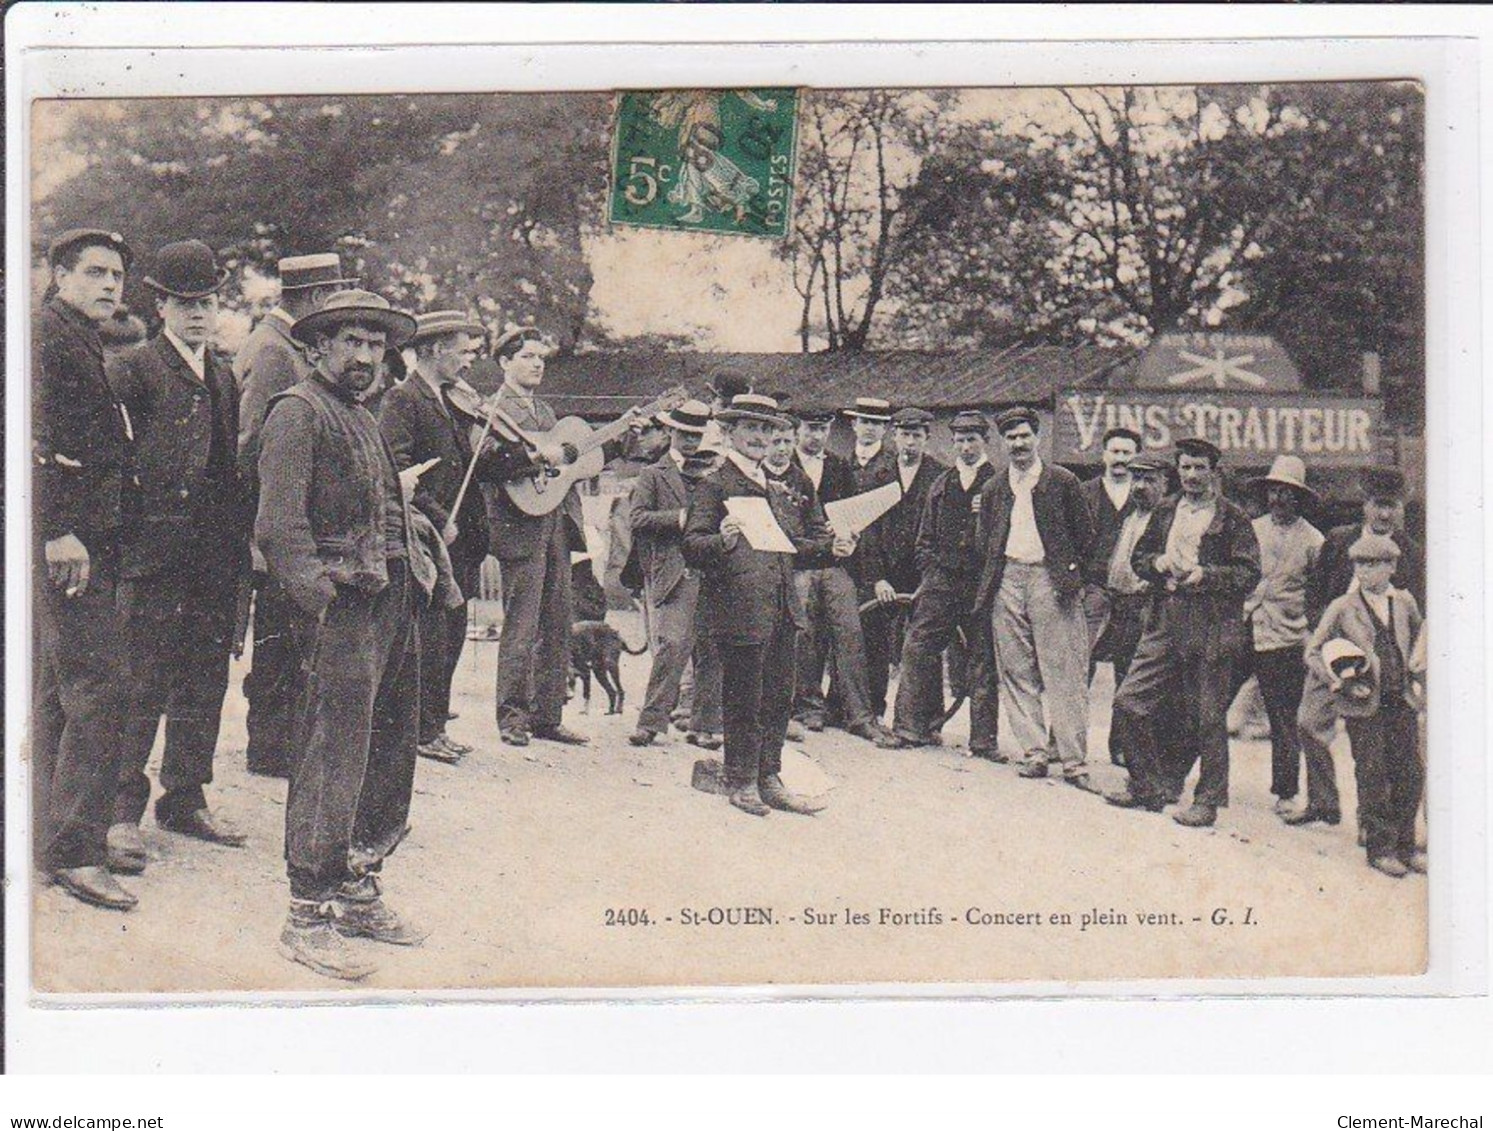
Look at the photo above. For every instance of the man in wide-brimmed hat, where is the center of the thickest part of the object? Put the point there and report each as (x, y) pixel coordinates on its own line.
(1200, 555)
(656, 513)
(421, 423)
(751, 607)
(82, 488)
(336, 532)
(269, 362)
(1289, 546)
(182, 556)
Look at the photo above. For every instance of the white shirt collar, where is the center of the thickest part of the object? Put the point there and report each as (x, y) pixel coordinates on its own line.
(196, 359)
(1118, 491)
(751, 470)
(1025, 480)
(805, 457)
(676, 457)
(967, 472)
(285, 316)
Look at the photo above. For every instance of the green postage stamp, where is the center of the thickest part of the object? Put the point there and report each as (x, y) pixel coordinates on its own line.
(705, 160)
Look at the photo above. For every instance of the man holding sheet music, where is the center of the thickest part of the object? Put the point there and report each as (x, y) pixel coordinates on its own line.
(742, 532)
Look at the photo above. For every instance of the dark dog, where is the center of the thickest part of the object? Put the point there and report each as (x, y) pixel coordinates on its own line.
(596, 648)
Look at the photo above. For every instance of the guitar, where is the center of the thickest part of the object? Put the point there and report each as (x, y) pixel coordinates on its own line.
(546, 489)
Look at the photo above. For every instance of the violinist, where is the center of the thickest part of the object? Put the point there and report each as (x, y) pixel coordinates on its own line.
(432, 415)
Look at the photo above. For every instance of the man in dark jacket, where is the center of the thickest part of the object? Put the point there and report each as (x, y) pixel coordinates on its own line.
(828, 594)
(874, 464)
(1108, 498)
(269, 362)
(671, 591)
(1034, 533)
(949, 565)
(421, 424)
(751, 606)
(82, 479)
(1200, 555)
(336, 533)
(183, 554)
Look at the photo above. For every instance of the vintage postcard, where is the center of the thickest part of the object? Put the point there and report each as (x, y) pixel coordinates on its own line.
(432, 587)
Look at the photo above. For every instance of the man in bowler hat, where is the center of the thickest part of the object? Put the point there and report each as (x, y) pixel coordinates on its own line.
(183, 555)
(83, 482)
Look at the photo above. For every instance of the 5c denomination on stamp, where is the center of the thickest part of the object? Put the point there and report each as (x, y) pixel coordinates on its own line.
(718, 161)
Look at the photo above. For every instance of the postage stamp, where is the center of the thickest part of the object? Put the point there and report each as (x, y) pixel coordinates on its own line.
(705, 160)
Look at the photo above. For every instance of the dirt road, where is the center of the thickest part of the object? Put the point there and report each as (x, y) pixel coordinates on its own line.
(927, 866)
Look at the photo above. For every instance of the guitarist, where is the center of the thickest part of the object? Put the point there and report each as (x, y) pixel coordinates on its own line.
(533, 552)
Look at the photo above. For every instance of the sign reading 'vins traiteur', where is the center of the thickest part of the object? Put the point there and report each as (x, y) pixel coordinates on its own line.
(1249, 428)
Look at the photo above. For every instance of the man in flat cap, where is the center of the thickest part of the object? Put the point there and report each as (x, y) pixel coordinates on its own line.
(828, 593)
(949, 566)
(336, 531)
(1382, 623)
(752, 609)
(1108, 497)
(1200, 554)
(1333, 575)
(874, 463)
(420, 422)
(183, 556)
(83, 482)
(1278, 628)
(1033, 534)
(671, 591)
(269, 362)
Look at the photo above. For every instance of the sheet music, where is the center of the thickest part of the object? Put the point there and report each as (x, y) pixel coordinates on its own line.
(848, 517)
(759, 525)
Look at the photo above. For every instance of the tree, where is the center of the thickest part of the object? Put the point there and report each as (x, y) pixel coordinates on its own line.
(477, 201)
(858, 151)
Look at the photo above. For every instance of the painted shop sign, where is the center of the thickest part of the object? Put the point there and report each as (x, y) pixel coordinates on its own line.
(1204, 362)
(1252, 429)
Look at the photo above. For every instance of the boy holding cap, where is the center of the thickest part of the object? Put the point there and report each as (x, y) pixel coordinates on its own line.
(1384, 623)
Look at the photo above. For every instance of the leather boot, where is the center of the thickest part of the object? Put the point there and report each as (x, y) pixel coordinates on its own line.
(777, 796)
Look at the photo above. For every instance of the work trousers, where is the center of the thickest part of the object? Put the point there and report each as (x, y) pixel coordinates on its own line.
(878, 624)
(443, 634)
(179, 633)
(671, 638)
(1115, 622)
(1316, 727)
(1386, 761)
(358, 722)
(273, 684)
(757, 702)
(833, 636)
(82, 698)
(1172, 709)
(534, 649)
(699, 706)
(1042, 652)
(940, 612)
(1281, 673)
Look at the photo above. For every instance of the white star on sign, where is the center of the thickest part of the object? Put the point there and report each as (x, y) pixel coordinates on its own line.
(1220, 368)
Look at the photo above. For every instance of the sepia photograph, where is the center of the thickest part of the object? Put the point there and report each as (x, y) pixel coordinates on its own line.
(728, 537)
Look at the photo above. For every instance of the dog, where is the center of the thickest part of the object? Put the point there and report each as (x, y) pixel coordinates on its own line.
(596, 648)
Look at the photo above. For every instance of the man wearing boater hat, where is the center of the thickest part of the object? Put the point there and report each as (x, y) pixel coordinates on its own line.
(874, 463)
(269, 362)
(182, 556)
(420, 423)
(657, 510)
(1289, 546)
(1201, 557)
(336, 532)
(82, 480)
(752, 609)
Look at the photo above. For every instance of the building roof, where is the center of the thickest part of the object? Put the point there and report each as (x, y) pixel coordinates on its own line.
(605, 383)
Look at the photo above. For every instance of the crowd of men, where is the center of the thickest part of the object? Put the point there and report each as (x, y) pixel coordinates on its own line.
(352, 512)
